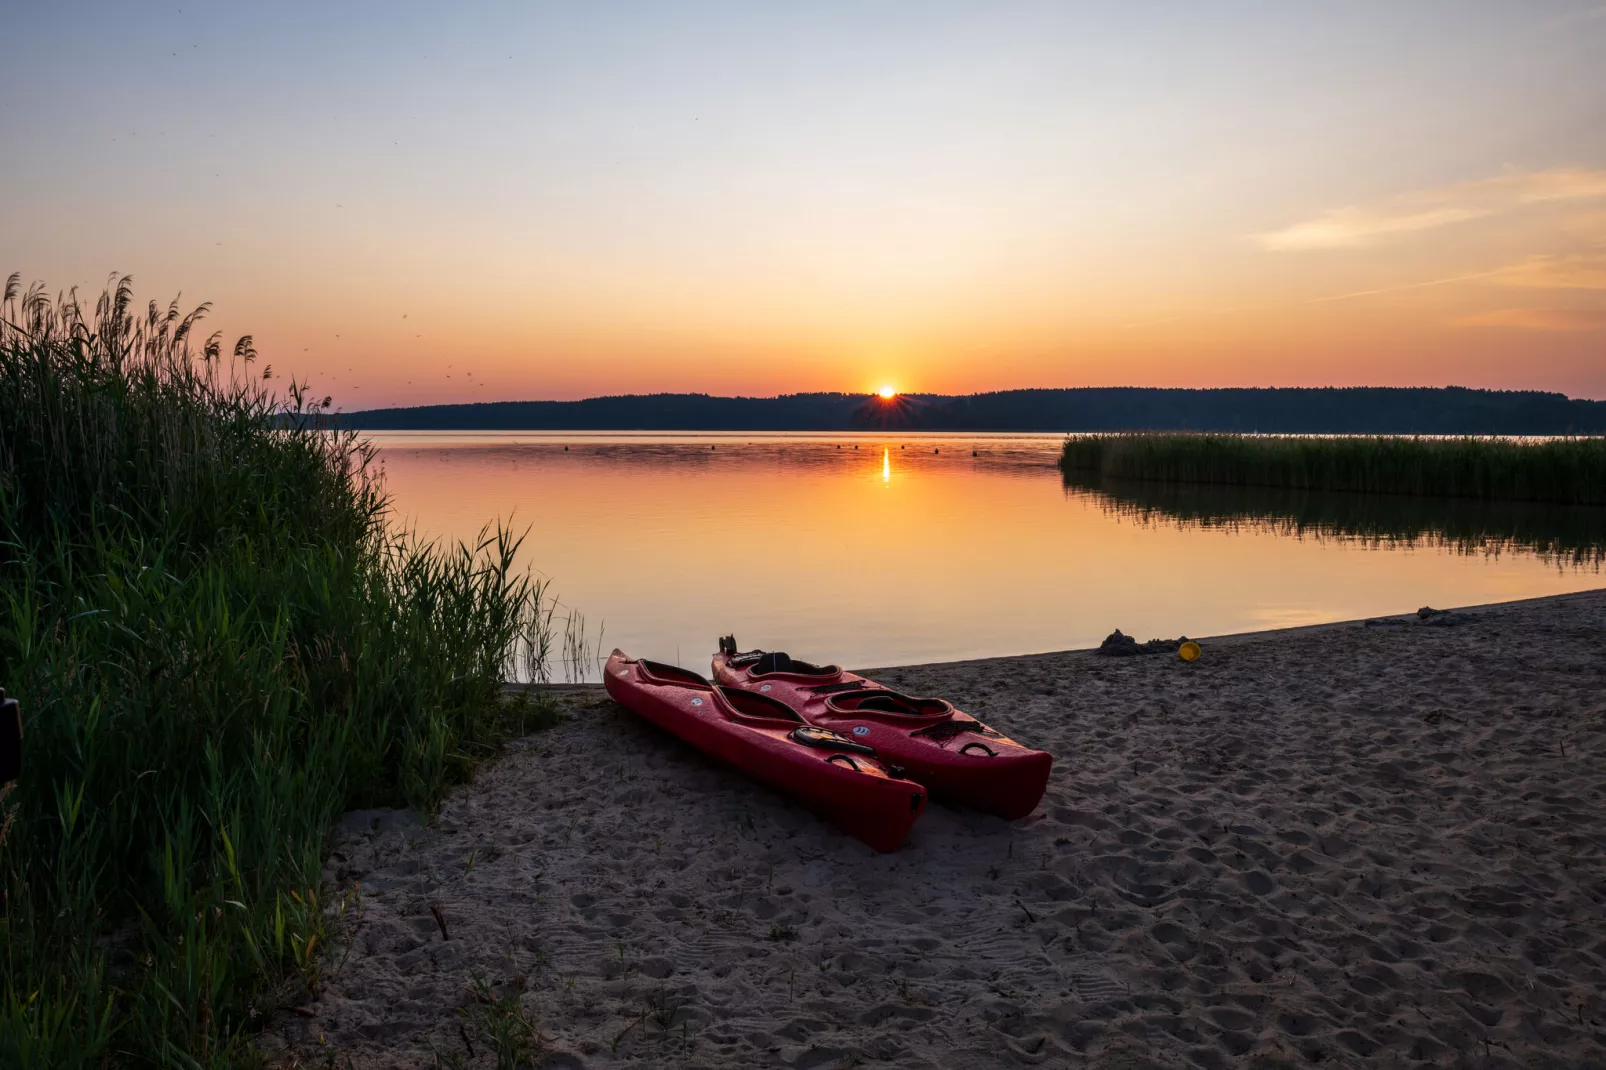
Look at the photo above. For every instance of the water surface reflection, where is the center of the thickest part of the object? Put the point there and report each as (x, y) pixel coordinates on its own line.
(896, 549)
(1563, 535)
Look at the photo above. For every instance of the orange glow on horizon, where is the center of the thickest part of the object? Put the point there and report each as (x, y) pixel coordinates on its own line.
(498, 219)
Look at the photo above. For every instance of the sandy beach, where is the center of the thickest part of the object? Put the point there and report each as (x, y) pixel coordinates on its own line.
(1345, 845)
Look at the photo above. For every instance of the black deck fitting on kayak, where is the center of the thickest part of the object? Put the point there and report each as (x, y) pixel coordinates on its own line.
(835, 689)
(10, 739)
(943, 731)
(886, 700)
(727, 645)
(826, 739)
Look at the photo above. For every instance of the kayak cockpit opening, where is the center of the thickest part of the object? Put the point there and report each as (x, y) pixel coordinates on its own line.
(752, 704)
(659, 673)
(781, 662)
(766, 662)
(884, 700)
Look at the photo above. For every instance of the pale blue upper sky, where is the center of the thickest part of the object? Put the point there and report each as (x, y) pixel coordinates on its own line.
(578, 199)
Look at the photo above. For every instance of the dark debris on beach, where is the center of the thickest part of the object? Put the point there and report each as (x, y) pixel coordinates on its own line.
(1427, 617)
(1119, 645)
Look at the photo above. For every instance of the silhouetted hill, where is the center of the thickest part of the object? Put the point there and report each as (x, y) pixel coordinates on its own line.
(1353, 410)
(644, 412)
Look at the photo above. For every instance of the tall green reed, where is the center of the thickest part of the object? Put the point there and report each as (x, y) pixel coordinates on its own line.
(1570, 471)
(219, 645)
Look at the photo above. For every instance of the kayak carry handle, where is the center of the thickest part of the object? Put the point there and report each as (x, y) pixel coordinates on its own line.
(845, 758)
(978, 743)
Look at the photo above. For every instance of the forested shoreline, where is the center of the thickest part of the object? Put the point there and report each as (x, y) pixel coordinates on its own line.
(1279, 410)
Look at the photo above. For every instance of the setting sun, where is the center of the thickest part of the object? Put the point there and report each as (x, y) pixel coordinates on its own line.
(888, 392)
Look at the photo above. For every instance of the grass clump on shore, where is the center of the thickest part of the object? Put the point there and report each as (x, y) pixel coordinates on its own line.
(1569, 471)
(219, 646)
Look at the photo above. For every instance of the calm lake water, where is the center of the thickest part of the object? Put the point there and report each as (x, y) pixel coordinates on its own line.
(880, 550)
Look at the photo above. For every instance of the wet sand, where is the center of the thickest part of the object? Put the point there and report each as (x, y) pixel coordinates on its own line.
(1331, 846)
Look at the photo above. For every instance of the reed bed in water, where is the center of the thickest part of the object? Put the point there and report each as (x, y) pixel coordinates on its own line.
(219, 646)
(1569, 471)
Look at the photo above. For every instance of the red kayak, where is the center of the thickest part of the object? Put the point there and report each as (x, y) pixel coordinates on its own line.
(947, 750)
(837, 777)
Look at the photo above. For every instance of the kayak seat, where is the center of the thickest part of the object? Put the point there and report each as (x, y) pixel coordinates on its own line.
(658, 672)
(883, 700)
(779, 661)
(753, 704)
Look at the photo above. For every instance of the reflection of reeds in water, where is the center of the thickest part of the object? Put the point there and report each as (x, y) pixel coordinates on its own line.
(1564, 535)
(1567, 471)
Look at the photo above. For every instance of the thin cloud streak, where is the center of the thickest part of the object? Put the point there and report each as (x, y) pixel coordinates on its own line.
(1578, 271)
(1538, 319)
(1348, 228)
(1353, 227)
(1538, 272)
(1408, 286)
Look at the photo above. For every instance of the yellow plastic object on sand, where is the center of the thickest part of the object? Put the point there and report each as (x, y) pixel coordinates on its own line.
(1189, 651)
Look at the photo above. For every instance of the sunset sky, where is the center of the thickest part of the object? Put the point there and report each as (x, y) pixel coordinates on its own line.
(409, 203)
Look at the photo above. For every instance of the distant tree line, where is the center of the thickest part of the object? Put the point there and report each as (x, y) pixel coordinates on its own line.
(1293, 410)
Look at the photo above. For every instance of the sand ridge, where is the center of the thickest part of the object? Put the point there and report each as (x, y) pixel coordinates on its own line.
(1340, 846)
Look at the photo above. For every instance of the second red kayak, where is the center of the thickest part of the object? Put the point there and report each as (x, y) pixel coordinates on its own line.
(838, 777)
(950, 752)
